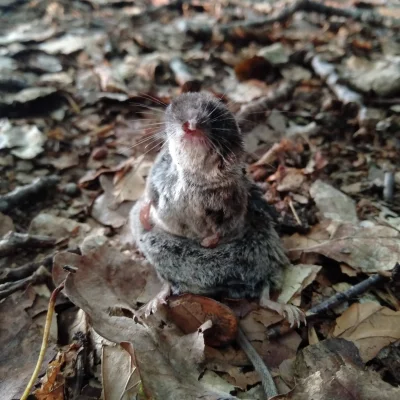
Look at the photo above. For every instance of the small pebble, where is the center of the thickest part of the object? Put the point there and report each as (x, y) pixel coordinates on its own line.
(99, 153)
(71, 189)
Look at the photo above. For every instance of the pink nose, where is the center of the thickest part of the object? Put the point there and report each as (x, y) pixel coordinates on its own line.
(189, 127)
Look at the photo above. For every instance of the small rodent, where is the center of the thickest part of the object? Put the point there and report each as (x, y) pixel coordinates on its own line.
(203, 225)
(198, 189)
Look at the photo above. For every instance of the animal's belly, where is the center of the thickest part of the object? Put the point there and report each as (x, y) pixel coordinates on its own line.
(179, 222)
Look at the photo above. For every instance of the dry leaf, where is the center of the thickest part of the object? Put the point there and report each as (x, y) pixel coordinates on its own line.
(297, 278)
(332, 369)
(369, 326)
(27, 141)
(368, 249)
(106, 286)
(107, 209)
(20, 341)
(131, 185)
(256, 68)
(189, 312)
(119, 375)
(332, 203)
(52, 387)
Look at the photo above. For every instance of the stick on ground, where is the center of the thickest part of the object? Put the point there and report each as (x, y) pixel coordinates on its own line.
(49, 317)
(266, 103)
(27, 192)
(14, 241)
(367, 16)
(330, 303)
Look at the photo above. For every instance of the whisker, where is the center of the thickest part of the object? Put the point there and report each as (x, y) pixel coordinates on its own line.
(149, 139)
(146, 107)
(152, 98)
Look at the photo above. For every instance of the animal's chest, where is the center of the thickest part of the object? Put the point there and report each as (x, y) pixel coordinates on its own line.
(185, 211)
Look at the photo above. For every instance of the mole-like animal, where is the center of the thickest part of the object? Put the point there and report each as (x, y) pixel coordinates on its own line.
(202, 223)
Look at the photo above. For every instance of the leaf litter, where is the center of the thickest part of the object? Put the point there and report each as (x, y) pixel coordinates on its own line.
(79, 100)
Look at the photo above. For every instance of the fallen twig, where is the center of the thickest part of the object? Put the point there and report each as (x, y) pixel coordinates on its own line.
(13, 241)
(388, 186)
(18, 273)
(49, 317)
(282, 93)
(150, 13)
(330, 303)
(367, 16)
(326, 72)
(27, 192)
(39, 276)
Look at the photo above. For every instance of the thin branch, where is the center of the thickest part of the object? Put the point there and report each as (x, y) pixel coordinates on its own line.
(365, 16)
(18, 273)
(27, 192)
(45, 341)
(266, 103)
(330, 303)
(388, 186)
(39, 276)
(14, 241)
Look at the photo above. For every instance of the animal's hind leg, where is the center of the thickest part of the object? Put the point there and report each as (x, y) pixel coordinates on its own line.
(292, 313)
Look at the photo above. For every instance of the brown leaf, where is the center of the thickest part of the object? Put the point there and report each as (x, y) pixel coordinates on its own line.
(189, 312)
(106, 286)
(296, 278)
(119, 376)
(369, 326)
(337, 362)
(369, 249)
(20, 341)
(332, 203)
(107, 209)
(52, 387)
(255, 68)
(65, 161)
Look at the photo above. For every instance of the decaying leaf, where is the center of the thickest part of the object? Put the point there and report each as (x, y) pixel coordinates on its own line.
(120, 376)
(296, 278)
(52, 387)
(130, 186)
(381, 76)
(337, 362)
(61, 228)
(369, 326)
(189, 312)
(20, 341)
(107, 209)
(26, 141)
(332, 203)
(369, 249)
(107, 288)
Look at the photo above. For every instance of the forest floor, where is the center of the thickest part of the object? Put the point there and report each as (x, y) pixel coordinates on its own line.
(315, 87)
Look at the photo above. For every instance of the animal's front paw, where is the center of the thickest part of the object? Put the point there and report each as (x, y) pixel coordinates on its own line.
(144, 216)
(294, 315)
(211, 241)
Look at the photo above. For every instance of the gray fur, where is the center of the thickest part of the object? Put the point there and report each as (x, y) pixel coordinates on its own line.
(237, 269)
(198, 187)
(187, 185)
